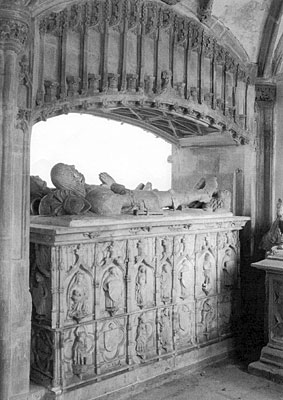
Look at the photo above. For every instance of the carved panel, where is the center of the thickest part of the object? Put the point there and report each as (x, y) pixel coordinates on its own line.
(40, 283)
(165, 344)
(42, 354)
(206, 265)
(206, 319)
(184, 325)
(164, 254)
(142, 273)
(184, 266)
(143, 338)
(111, 352)
(79, 353)
(110, 260)
(79, 296)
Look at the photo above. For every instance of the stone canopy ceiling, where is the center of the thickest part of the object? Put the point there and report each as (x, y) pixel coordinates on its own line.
(254, 24)
(245, 19)
(252, 28)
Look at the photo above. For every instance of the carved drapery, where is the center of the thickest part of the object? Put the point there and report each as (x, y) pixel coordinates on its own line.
(116, 298)
(174, 92)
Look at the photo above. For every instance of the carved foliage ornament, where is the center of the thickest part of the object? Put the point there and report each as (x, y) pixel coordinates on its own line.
(265, 93)
(13, 30)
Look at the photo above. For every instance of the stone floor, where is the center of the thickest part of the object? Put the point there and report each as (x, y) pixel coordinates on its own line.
(227, 380)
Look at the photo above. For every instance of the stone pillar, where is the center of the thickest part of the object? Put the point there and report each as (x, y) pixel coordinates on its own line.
(15, 304)
(265, 99)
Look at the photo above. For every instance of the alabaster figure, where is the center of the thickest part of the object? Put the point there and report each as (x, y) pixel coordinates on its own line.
(141, 337)
(206, 267)
(274, 236)
(229, 268)
(40, 296)
(141, 286)
(78, 297)
(113, 289)
(166, 283)
(72, 195)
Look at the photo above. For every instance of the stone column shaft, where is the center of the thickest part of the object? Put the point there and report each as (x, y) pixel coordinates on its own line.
(14, 272)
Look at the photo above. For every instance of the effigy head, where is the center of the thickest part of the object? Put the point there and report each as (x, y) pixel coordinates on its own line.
(64, 176)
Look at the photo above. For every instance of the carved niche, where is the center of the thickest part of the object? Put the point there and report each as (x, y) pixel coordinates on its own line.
(206, 265)
(79, 345)
(165, 330)
(165, 268)
(228, 269)
(207, 319)
(40, 282)
(185, 266)
(111, 344)
(144, 337)
(184, 325)
(78, 284)
(78, 296)
(110, 263)
(42, 343)
(142, 258)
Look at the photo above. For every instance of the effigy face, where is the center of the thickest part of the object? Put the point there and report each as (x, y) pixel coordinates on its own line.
(66, 177)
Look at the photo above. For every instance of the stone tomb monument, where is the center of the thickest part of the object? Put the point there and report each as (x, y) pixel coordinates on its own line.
(118, 299)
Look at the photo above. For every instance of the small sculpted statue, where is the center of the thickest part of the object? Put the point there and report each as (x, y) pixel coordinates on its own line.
(72, 195)
(274, 236)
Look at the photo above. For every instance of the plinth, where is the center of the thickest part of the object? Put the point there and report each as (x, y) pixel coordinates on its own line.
(270, 364)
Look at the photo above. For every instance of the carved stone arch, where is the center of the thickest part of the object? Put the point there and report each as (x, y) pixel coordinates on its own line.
(79, 295)
(268, 41)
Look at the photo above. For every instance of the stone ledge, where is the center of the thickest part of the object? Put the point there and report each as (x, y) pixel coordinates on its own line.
(267, 371)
